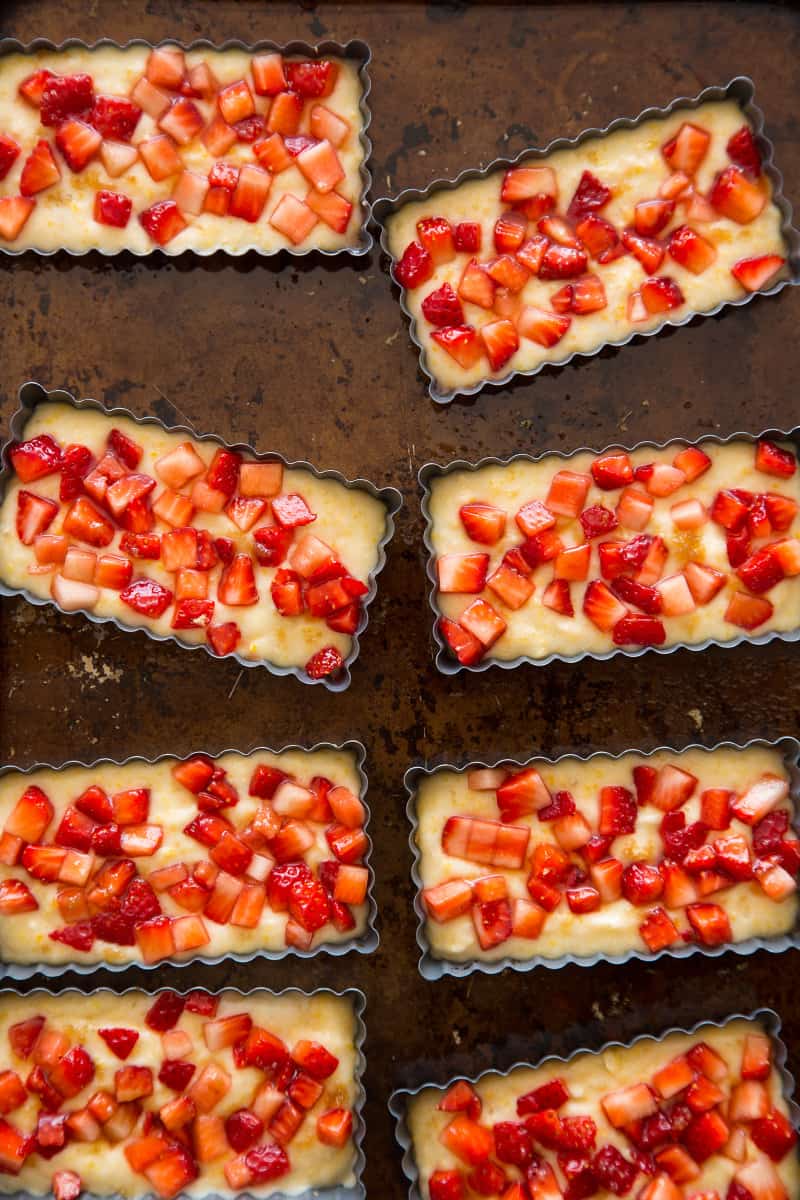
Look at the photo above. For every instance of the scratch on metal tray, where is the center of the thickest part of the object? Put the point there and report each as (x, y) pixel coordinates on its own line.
(236, 683)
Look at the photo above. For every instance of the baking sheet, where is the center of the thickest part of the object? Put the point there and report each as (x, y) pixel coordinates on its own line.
(315, 357)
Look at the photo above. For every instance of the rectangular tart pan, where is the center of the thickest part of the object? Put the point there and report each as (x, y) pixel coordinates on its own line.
(445, 661)
(358, 1001)
(433, 968)
(399, 1101)
(31, 394)
(741, 89)
(355, 50)
(365, 943)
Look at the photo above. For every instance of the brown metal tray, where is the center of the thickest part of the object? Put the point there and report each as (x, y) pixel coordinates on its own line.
(315, 357)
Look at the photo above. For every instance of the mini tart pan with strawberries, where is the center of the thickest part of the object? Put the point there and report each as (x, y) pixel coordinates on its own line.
(182, 536)
(179, 861)
(702, 1113)
(589, 554)
(184, 148)
(606, 858)
(160, 1094)
(590, 241)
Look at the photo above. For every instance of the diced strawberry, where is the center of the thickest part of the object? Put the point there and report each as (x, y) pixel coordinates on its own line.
(114, 117)
(467, 648)
(761, 571)
(590, 196)
(602, 607)
(162, 221)
(611, 471)
(34, 515)
(30, 815)
(65, 95)
(650, 216)
(704, 582)
(691, 250)
(563, 262)
(462, 343)
(599, 237)
(483, 622)
(617, 811)
(462, 572)
(597, 520)
(467, 237)
(146, 596)
(78, 142)
(737, 197)
(40, 170)
(661, 294)
(775, 460)
(748, 612)
(16, 897)
(628, 1104)
(483, 522)
(743, 150)
(509, 232)
(687, 149)
(648, 251)
(754, 273)
(32, 86)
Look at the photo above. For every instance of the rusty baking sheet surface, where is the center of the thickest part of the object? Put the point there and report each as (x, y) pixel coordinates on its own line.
(315, 357)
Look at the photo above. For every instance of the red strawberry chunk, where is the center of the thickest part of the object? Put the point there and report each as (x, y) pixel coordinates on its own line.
(754, 273)
(691, 250)
(311, 78)
(602, 607)
(147, 596)
(112, 208)
(443, 307)
(483, 522)
(613, 1171)
(761, 571)
(461, 342)
(774, 1135)
(611, 471)
(661, 294)
(114, 117)
(327, 661)
(736, 196)
(710, 924)
(563, 262)
(415, 266)
(618, 811)
(64, 96)
(590, 196)
(36, 457)
(641, 883)
(34, 515)
(9, 152)
(467, 237)
(743, 150)
(163, 221)
(119, 1041)
(637, 630)
(597, 520)
(775, 460)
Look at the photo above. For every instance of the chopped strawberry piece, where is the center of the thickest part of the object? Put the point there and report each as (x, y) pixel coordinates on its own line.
(436, 236)
(112, 208)
(563, 262)
(483, 622)
(661, 294)
(467, 237)
(590, 196)
(650, 216)
(461, 342)
(557, 597)
(761, 571)
(414, 267)
(467, 648)
(775, 460)
(611, 471)
(648, 251)
(32, 86)
(509, 232)
(147, 596)
(691, 250)
(8, 154)
(78, 142)
(687, 149)
(754, 273)
(597, 520)
(744, 152)
(601, 606)
(114, 117)
(737, 197)
(443, 307)
(325, 662)
(34, 515)
(163, 221)
(14, 212)
(64, 96)
(40, 170)
(483, 523)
